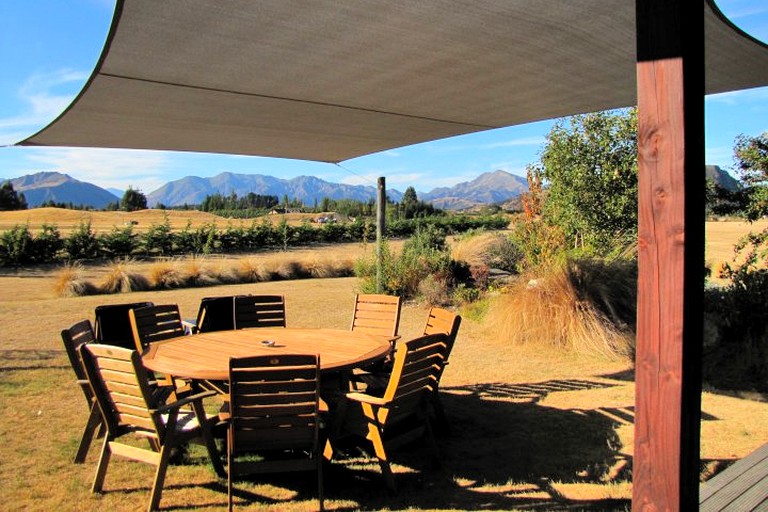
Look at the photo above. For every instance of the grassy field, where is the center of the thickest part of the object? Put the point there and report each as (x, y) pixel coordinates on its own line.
(101, 222)
(530, 428)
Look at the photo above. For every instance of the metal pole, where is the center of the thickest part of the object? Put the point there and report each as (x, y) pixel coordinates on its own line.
(381, 204)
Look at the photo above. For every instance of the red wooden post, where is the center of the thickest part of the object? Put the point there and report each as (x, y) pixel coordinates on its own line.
(670, 76)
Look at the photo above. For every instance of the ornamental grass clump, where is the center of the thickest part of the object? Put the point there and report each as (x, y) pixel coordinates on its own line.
(166, 274)
(69, 282)
(582, 306)
(197, 273)
(120, 279)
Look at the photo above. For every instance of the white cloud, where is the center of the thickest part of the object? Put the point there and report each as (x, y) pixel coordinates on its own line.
(43, 97)
(116, 168)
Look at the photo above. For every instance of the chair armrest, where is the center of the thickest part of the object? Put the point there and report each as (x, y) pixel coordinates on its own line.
(367, 399)
(184, 401)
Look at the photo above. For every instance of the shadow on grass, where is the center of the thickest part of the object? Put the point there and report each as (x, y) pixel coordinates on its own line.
(504, 451)
(30, 359)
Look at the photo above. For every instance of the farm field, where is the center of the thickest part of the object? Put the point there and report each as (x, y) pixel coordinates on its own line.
(529, 428)
(67, 220)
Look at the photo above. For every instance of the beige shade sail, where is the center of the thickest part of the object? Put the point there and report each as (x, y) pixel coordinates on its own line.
(330, 80)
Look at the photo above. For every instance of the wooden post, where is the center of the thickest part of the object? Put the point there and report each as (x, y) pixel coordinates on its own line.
(670, 89)
(381, 211)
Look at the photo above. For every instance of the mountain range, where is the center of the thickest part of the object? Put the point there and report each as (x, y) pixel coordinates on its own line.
(491, 187)
(61, 188)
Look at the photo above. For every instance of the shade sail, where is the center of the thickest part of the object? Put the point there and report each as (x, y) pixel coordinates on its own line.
(328, 80)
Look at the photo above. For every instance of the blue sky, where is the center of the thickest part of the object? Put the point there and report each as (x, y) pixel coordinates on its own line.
(48, 48)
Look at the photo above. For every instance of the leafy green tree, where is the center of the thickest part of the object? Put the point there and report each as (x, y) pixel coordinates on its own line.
(590, 166)
(133, 199)
(752, 163)
(10, 199)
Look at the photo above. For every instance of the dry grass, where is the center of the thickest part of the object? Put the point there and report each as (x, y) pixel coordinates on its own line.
(476, 249)
(101, 222)
(553, 310)
(530, 428)
(120, 278)
(69, 282)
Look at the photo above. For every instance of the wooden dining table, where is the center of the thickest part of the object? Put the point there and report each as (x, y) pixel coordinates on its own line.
(205, 356)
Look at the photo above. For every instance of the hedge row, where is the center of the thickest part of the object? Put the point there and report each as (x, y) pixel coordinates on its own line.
(20, 246)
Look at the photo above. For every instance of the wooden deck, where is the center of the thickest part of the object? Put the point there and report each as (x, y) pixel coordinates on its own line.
(742, 487)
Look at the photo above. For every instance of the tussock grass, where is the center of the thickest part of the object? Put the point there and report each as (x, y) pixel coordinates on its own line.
(68, 282)
(166, 274)
(249, 270)
(197, 272)
(574, 306)
(120, 279)
(477, 249)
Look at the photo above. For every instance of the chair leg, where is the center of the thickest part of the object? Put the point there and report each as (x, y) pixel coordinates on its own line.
(157, 486)
(320, 495)
(441, 421)
(210, 444)
(101, 469)
(375, 436)
(93, 424)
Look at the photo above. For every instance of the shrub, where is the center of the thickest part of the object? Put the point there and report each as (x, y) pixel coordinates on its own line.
(82, 243)
(433, 291)
(118, 242)
(47, 244)
(158, 240)
(16, 246)
(736, 320)
(423, 254)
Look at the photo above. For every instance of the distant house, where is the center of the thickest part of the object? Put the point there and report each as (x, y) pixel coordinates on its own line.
(277, 211)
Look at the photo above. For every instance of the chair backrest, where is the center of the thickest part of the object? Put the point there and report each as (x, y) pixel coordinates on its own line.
(274, 403)
(377, 314)
(216, 314)
(155, 323)
(259, 311)
(112, 324)
(73, 337)
(414, 376)
(121, 386)
(441, 320)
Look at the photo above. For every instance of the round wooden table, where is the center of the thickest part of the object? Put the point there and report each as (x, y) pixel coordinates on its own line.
(205, 356)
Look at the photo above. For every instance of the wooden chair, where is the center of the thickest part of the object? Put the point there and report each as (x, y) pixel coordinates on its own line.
(377, 314)
(120, 385)
(77, 335)
(155, 323)
(447, 322)
(112, 324)
(274, 408)
(259, 311)
(400, 415)
(215, 314)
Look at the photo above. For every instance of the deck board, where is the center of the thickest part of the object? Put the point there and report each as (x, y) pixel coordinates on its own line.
(741, 487)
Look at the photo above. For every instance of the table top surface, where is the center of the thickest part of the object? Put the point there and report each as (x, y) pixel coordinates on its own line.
(206, 355)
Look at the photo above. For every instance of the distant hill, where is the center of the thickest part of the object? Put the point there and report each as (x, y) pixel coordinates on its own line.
(61, 188)
(722, 178)
(488, 188)
(192, 189)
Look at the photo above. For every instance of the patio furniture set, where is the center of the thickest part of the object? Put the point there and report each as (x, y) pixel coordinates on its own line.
(286, 395)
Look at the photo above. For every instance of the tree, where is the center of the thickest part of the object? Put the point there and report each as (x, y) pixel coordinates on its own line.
(133, 199)
(590, 166)
(10, 200)
(751, 155)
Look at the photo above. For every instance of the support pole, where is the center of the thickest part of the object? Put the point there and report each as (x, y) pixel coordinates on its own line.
(670, 90)
(381, 211)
